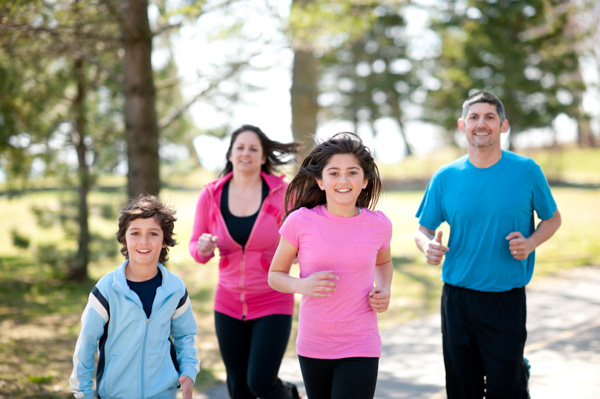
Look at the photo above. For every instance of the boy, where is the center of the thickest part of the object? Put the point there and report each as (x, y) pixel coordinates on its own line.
(138, 317)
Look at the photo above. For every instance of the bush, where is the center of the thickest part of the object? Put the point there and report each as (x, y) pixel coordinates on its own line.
(19, 240)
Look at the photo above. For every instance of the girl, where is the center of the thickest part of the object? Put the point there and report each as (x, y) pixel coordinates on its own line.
(345, 263)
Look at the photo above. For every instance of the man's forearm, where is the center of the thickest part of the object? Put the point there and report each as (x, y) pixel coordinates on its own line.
(544, 231)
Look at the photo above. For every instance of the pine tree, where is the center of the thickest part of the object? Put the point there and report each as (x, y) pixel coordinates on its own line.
(515, 49)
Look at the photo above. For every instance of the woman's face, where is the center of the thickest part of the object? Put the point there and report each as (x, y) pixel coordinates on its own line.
(247, 153)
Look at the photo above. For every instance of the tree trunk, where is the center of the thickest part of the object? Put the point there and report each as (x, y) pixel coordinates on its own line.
(140, 114)
(585, 135)
(304, 95)
(397, 112)
(79, 269)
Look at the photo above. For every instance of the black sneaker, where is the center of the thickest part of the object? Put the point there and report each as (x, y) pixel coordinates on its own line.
(293, 390)
(527, 367)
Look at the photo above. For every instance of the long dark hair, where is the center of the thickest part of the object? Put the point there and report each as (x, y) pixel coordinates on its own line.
(304, 191)
(145, 207)
(276, 153)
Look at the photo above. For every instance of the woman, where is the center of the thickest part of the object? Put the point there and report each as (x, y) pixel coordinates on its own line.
(343, 250)
(241, 213)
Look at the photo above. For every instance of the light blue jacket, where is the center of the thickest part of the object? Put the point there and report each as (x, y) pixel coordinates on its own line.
(136, 355)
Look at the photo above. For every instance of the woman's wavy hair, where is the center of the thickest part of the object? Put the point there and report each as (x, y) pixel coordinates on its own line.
(304, 191)
(276, 153)
(145, 207)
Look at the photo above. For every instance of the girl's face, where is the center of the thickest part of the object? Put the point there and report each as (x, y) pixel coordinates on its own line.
(144, 239)
(247, 153)
(342, 179)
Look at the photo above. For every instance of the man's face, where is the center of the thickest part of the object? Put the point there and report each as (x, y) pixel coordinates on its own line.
(482, 126)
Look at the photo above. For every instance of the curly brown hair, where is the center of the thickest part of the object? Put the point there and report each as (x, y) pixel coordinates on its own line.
(144, 207)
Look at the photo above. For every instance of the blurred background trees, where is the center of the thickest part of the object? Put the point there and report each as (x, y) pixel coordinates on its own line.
(90, 88)
(523, 51)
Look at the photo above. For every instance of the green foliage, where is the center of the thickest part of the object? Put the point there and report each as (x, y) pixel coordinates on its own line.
(19, 240)
(41, 379)
(60, 255)
(41, 43)
(522, 51)
(58, 260)
(372, 76)
(321, 25)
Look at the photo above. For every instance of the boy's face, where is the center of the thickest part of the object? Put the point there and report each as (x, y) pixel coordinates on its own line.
(144, 239)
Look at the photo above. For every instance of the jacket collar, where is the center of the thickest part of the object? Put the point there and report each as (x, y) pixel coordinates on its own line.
(168, 286)
(274, 182)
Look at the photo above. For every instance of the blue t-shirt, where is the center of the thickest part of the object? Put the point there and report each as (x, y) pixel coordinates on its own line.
(146, 290)
(482, 207)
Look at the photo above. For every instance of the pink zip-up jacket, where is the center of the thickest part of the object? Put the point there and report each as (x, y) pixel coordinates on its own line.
(243, 291)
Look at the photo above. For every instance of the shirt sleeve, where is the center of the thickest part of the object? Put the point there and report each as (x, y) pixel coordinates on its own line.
(543, 201)
(93, 320)
(289, 229)
(388, 232)
(430, 212)
(201, 225)
(183, 331)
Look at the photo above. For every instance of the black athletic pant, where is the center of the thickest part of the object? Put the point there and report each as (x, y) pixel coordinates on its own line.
(484, 335)
(347, 378)
(252, 351)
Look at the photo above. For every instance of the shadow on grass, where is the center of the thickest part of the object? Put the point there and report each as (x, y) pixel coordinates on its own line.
(26, 292)
(416, 291)
(400, 266)
(39, 317)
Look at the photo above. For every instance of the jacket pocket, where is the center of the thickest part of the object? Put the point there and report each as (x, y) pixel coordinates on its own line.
(161, 375)
(105, 389)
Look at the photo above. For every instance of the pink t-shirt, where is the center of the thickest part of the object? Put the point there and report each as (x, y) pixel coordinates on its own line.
(343, 325)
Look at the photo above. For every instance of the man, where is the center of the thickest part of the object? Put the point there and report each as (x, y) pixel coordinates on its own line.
(488, 197)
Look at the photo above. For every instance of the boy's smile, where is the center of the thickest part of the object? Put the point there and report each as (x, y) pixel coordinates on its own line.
(144, 239)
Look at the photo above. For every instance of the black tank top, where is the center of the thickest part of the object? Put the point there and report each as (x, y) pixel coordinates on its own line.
(239, 227)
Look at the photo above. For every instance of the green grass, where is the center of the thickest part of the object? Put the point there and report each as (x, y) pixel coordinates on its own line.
(568, 163)
(39, 314)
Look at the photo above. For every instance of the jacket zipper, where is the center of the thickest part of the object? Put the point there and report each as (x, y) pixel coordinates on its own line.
(243, 262)
(242, 284)
(144, 358)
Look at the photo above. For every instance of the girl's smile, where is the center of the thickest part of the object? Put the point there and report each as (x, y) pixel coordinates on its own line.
(342, 180)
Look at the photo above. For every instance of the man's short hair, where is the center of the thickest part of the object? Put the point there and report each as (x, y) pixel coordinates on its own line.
(484, 97)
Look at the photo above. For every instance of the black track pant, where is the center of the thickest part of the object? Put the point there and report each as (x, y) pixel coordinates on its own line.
(353, 377)
(252, 351)
(484, 336)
